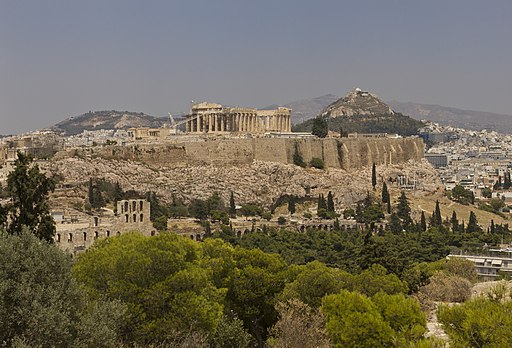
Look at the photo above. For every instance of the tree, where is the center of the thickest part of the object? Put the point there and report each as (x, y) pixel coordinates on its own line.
(395, 225)
(321, 203)
(320, 127)
(374, 176)
(506, 181)
(232, 206)
(403, 210)
(330, 202)
(28, 189)
(423, 222)
(291, 204)
(455, 222)
(437, 218)
(41, 305)
(252, 293)
(385, 193)
(473, 224)
(299, 325)
(162, 279)
(353, 320)
(478, 322)
(297, 157)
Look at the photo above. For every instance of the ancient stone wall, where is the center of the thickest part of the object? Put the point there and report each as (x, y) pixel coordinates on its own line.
(346, 153)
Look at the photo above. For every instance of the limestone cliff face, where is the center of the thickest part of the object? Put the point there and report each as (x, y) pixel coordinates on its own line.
(343, 153)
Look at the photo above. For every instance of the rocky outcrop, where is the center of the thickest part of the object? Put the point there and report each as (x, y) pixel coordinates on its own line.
(345, 153)
(261, 182)
(357, 102)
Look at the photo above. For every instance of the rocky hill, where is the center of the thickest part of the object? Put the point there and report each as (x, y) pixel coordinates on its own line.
(363, 112)
(111, 119)
(357, 102)
(468, 119)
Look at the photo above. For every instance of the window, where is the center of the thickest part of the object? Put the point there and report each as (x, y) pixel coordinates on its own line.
(96, 235)
(108, 233)
(85, 236)
(141, 203)
(141, 218)
(58, 237)
(70, 238)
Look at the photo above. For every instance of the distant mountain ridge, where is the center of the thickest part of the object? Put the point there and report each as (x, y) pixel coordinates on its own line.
(110, 119)
(357, 102)
(468, 119)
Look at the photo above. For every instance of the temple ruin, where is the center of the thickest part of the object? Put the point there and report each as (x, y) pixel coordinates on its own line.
(214, 118)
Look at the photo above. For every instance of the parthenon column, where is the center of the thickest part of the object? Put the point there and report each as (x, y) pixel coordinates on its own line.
(198, 120)
(239, 122)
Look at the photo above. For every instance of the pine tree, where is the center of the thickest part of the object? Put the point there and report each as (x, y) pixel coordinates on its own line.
(385, 193)
(423, 222)
(232, 206)
(90, 192)
(330, 202)
(118, 192)
(337, 224)
(320, 127)
(28, 188)
(455, 222)
(374, 176)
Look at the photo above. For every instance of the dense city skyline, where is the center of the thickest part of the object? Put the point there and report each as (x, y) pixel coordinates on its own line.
(62, 58)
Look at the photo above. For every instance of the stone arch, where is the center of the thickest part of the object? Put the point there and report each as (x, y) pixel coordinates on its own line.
(70, 237)
(58, 237)
(141, 217)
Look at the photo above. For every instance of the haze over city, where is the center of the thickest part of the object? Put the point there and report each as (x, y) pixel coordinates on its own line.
(62, 58)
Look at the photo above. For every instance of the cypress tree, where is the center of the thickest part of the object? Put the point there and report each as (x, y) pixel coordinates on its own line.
(330, 202)
(423, 222)
(385, 193)
(473, 224)
(389, 206)
(403, 209)
(291, 205)
(232, 206)
(493, 228)
(455, 222)
(374, 176)
(90, 192)
(437, 215)
(322, 204)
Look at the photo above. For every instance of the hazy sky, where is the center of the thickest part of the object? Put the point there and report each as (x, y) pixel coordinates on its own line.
(64, 58)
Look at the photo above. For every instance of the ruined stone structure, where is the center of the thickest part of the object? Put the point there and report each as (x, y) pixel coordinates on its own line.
(76, 232)
(38, 145)
(215, 118)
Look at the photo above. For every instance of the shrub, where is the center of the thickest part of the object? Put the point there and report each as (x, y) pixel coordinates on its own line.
(317, 163)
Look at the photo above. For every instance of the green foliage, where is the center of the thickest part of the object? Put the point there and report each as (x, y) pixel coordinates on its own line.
(330, 202)
(473, 224)
(251, 209)
(291, 204)
(383, 123)
(463, 196)
(403, 314)
(281, 220)
(319, 127)
(298, 160)
(385, 193)
(317, 163)
(403, 210)
(40, 303)
(353, 320)
(230, 333)
(232, 205)
(158, 278)
(313, 281)
(28, 189)
(376, 279)
(478, 323)
(252, 293)
(371, 213)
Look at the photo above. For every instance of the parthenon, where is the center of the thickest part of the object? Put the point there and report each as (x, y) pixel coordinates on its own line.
(215, 118)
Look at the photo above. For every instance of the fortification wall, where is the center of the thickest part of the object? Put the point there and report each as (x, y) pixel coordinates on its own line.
(343, 153)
